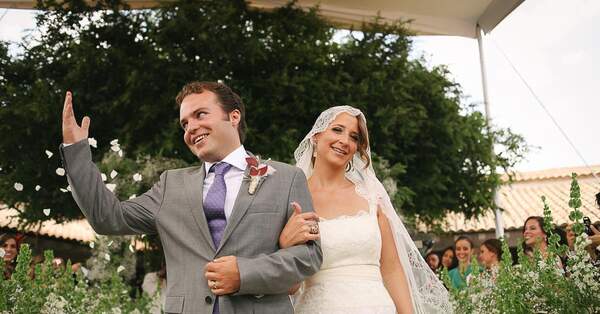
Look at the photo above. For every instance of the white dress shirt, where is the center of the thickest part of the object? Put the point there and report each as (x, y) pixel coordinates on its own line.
(233, 177)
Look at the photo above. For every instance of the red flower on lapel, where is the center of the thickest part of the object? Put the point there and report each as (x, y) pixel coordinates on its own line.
(257, 171)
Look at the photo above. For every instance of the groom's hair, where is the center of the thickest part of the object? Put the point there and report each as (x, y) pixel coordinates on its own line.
(228, 100)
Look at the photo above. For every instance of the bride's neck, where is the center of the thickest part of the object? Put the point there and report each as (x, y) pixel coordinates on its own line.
(325, 176)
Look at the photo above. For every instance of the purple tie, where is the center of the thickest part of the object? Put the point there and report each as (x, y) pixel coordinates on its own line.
(214, 208)
(214, 203)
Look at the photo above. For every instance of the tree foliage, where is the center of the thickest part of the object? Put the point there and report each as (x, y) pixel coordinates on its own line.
(126, 66)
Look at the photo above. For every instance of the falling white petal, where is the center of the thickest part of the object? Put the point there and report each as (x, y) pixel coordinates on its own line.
(115, 148)
(49, 153)
(111, 187)
(93, 142)
(132, 196)
(37, 187)
(131, 248)
(107, 257)
(103, 177)
(120, 153)
(85, 271)
(120, 268)
(113, 174)
(69, 188)
(2, 252)
(18, 186)
(110, 243)
(137, 177)
(92, 244)
(60, 171)
(46, 211)
(114, 142)
(64, 190)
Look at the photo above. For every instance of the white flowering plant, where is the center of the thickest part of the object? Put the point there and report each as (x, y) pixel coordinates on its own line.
(45, 288)
(538, 283)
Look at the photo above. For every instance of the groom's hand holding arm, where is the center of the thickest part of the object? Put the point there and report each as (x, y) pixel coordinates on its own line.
(225, 273)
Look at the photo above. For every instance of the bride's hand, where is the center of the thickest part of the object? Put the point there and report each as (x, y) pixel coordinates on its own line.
(300, 228)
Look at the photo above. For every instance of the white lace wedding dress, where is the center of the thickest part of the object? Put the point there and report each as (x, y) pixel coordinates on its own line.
(349, 281)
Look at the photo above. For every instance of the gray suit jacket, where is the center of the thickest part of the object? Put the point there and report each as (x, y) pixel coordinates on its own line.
(173, 209)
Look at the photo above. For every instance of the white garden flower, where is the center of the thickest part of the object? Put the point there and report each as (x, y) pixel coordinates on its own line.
(18, 186)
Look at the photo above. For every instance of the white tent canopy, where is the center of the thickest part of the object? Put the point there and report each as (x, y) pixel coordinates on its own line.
(428, 17)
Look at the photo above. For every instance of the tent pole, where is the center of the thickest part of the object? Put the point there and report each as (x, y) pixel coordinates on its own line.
(486, 101)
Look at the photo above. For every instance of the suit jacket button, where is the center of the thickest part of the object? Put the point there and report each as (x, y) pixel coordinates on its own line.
(208, 299)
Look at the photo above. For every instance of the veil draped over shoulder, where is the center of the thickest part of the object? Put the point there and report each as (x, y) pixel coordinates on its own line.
(427, 292)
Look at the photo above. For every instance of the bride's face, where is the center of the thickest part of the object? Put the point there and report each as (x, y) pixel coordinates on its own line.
(338, 143)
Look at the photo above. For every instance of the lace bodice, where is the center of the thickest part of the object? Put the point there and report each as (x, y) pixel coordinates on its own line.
(350, 278)
(350, 240)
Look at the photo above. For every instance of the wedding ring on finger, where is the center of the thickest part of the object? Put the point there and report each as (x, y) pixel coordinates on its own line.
(314, 228)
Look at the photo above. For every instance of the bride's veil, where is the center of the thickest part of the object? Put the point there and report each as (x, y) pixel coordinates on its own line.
(427, 292)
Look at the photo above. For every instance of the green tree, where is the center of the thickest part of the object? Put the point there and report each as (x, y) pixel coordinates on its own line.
(126, 66)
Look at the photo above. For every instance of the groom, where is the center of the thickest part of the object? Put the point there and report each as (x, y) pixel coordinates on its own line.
(218, 228)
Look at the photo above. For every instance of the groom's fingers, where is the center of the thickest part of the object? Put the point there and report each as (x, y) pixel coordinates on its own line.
(68, 113)
(85, 123)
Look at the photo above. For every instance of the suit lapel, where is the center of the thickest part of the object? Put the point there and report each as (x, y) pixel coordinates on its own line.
(194, 185)
(242, 202)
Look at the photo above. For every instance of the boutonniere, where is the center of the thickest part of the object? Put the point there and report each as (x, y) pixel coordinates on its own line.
(258, 170)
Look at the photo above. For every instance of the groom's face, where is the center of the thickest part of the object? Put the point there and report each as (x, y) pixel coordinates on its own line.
(209, 131)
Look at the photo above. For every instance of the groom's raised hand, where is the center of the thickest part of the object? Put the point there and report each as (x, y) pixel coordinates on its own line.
(72, 132)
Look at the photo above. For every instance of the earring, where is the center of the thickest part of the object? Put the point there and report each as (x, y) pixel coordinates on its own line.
(349, 166)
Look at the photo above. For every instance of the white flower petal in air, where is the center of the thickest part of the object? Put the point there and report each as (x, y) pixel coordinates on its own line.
(111, 187)
(110, 243)
(18, 186)
(137, 177)
(85, 271)
(131, 248)
(37, 187)
(107, 257)
(132, 196)
(93, 142)
(60, 171)
(113, 174)
(120, 268)
(120, 153)
(115, 148)
(2, 252)
(49, 153)
(64, 190)
(46, 211)
(92, 244)
(69, 188)
(103, 177)
(114, 142)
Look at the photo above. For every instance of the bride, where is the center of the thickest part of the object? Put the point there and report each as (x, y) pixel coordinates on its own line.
(370, 264)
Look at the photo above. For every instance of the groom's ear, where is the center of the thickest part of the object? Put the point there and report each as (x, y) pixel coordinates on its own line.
(235, 117)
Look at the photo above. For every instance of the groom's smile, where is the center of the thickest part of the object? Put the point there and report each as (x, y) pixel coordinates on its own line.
(209, 132)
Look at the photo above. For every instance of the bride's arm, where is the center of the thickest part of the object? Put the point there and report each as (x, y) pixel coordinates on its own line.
(392, 272)
(297, 229)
